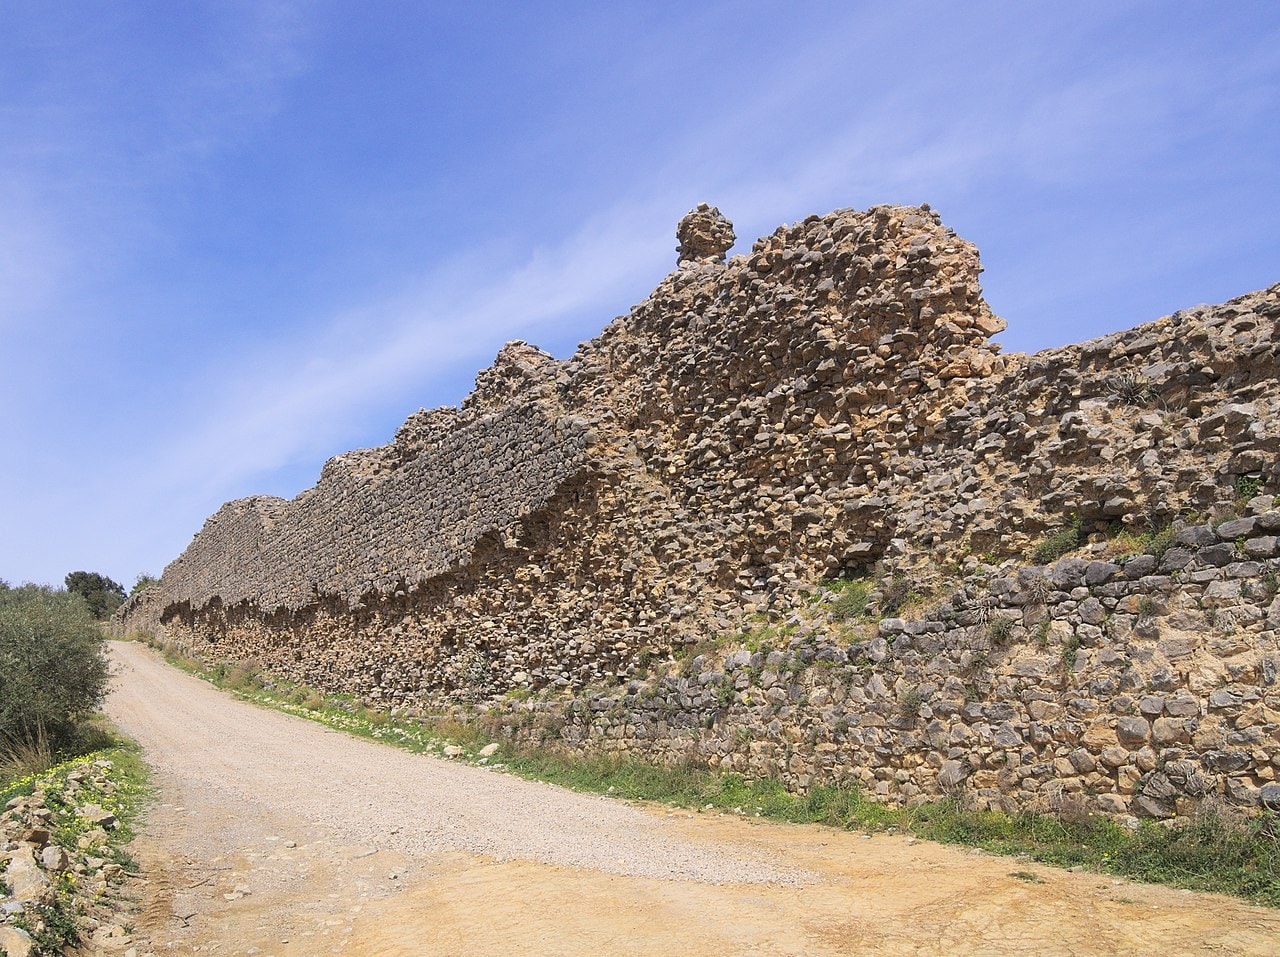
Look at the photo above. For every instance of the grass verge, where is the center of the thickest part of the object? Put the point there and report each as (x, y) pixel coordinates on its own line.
(1217, 850)
(113, 779)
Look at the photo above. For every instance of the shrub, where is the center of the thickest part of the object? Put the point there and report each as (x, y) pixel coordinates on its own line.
(851, 600)
(1131, 389)
(1058, 542)
(910, 701)
(1000, 628)
(1158, 541)
(1038, 590)
(52, 669)
(1247, 486)
(895, 595)
(1070, 651)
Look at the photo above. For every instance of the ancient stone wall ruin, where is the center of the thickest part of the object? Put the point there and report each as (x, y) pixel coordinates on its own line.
(825, 406)
(1132, 684)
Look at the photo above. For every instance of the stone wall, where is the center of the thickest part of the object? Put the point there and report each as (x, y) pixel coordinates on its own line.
(826, 405)
(1140, 685)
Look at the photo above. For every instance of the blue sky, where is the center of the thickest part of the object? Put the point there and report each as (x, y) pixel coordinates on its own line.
(237, 238)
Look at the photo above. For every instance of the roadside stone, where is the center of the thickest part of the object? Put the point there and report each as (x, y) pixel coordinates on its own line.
(25, 879)
(54, 859)
(97, 816)
(15, 942)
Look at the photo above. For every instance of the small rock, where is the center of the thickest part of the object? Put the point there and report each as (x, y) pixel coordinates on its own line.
(97, 815)
(1237, 528)
(26, 881)
(15, 942)
(952, 774)
(54, 859)
(1270, 797)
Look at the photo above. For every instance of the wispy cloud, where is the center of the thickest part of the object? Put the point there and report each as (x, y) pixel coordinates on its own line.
(1009, 120)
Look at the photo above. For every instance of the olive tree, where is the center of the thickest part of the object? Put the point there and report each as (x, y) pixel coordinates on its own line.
(53, 670)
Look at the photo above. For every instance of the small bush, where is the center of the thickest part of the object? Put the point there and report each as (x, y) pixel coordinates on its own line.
(1058, 542)
(1000, 628)
(1042, 633)
(910, 701)
(1158, 542)
(52, 669)
(1038, 590)
(896, 595)
(242, 676)
(1131, 389)
(1247, 487)
(1070, 652)
(851, 600)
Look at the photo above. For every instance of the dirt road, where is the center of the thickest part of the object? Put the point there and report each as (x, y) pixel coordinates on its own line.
(275, 836)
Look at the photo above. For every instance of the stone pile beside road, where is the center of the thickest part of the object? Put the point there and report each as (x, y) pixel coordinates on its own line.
(58, 868)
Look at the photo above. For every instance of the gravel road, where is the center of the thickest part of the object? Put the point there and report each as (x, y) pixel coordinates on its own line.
(244, 756)
(272, 836)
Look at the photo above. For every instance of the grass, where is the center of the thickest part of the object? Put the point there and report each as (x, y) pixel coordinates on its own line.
(849, 598)
(33, 754)
(1214, 851)
(1125, 544)
(23, 756)
(1058, 542)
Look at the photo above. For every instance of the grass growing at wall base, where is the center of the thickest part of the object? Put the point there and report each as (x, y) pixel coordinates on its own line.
(1216, 851)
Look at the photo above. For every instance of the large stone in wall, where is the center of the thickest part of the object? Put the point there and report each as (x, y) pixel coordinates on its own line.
(705, 235)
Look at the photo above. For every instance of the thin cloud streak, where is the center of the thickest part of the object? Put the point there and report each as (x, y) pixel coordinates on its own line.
(270, 419)
(1047, 141)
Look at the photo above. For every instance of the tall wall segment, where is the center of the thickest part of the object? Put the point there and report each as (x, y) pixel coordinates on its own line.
(826, 404)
